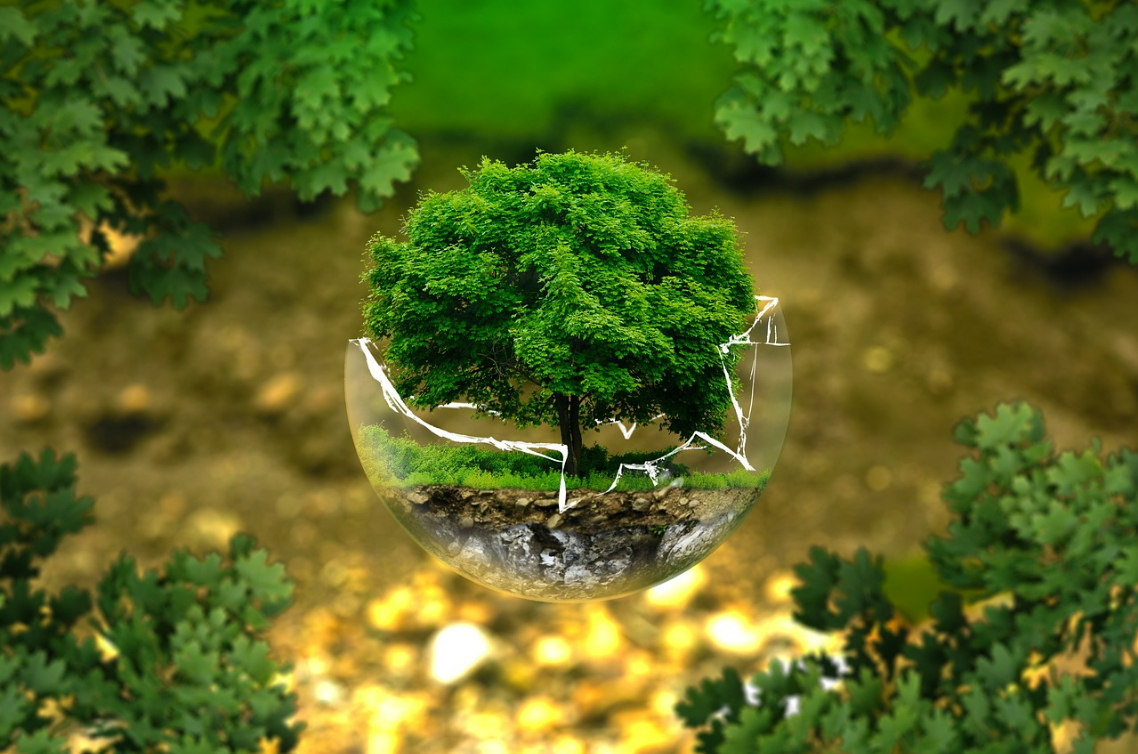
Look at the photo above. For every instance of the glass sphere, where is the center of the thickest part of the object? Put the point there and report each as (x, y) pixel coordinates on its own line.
(493, 501)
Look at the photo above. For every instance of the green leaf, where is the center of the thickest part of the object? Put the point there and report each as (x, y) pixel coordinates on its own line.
(973, 207)
(42, 741)
(267, 582)
(1119, 230)
(160, 282)
(999, 11)
(327, 176)
(128, 54)
(758, 135)
(1125, 188)
(253, 658)
(67, 284)
(14, 25)
(1011, 425)
(961, 14)
(1084, 194)
(161, 83)
(42, 676)
(155, 13)
(711, 696)
(935, 78)
(387, 167)
(1002, 668)
(20, 292)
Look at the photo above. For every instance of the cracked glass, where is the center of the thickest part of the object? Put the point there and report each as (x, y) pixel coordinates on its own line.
(494, 502)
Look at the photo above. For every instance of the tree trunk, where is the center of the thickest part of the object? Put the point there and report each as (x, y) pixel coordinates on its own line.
(575, 430)
(569, 421)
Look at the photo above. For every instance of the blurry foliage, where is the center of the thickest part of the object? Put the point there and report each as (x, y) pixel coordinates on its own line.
(98, 97)
(180, 668)
(1053, 80)
(1056, 536)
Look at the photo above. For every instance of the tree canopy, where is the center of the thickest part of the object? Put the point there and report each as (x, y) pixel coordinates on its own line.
(570, 291)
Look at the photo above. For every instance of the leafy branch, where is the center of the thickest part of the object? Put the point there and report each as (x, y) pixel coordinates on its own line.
(1047, 540)
(96, 100)
(1053, 80)
(177, 662)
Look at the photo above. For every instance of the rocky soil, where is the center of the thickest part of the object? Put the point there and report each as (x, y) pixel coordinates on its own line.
(601, 545)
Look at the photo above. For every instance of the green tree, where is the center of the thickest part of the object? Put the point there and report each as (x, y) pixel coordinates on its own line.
(1052, 80)
(96, 99)
(574, 290)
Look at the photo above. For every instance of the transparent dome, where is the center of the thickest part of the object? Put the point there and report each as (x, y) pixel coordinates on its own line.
(494, 502)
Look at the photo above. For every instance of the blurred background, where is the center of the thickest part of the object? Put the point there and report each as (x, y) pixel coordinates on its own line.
(229, 416)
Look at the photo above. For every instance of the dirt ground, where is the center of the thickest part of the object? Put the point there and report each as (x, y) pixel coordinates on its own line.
(229, 417)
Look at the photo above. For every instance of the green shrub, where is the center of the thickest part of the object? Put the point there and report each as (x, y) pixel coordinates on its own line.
(1055, 535)
(187, 672)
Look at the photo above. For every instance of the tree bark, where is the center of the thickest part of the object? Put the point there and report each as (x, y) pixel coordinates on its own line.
(568, 419)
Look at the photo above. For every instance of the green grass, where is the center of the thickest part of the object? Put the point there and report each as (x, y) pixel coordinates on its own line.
(401, 462)
(504, 69)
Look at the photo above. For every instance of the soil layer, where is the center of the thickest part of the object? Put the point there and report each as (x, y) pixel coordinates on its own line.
(586, 511)
(604, 544)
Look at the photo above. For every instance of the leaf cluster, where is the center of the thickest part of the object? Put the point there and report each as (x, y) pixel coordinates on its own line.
(1053, 536)
(177, 665)
(1054, 80)
(97, 98)
(579, 275)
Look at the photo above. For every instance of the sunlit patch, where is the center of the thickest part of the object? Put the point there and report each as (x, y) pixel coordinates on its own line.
(731, 631)
(388, 614)
(664, 703)
(121, 246)
(384, 741)
(603, 635)
(389, 714)
(639, 665)
(779, 586)
(567, 745)
(677, 591)
(29, 408)
(456, 651)
(328, 692)
(400, 659)
(679, 638)
(107, 650)
(539, 714)
(643, 736)
(552, 650)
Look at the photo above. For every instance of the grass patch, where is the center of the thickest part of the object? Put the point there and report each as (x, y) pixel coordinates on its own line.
(401, 462)
(504, 69)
